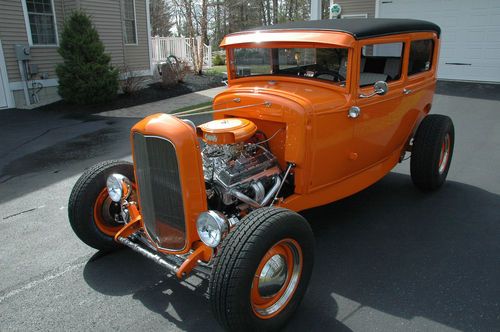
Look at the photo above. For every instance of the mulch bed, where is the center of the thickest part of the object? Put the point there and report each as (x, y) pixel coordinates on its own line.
(153, 92)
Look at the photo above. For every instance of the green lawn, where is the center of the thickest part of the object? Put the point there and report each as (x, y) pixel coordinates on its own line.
(201, 107)
(217, 70)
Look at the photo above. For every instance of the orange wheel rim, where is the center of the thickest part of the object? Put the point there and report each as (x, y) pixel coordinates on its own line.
(276, 278)
(102, 217)
(444, 155)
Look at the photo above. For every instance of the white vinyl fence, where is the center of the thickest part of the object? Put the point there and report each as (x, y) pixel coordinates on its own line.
(180, 47)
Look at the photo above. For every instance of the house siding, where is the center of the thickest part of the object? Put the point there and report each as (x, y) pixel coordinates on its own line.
(350, 7)
(106, 16)
(137, 56)
(70, 6)
(13, 31)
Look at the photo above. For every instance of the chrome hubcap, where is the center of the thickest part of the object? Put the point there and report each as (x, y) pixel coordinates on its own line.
(277, 278)
(273, 276)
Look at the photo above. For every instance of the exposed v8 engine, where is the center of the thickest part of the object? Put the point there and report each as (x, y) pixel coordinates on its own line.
(238, 174)
(234, 173)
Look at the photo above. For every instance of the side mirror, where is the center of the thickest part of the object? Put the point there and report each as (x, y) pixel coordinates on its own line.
(379, 88)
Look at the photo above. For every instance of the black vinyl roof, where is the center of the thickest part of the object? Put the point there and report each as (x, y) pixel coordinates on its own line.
(360, 28)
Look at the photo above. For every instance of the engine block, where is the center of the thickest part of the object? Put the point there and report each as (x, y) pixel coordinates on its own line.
(233, 165)
(238, 167)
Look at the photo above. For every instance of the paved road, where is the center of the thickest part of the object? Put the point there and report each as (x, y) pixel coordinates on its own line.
(387, 259)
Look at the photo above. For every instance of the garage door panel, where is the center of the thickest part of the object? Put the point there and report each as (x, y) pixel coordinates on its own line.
(449, 36)
(493, 19)
(473, 36)
(473, 53)
(493, 36)
(493, 4)
(470, 34)
(492, 54)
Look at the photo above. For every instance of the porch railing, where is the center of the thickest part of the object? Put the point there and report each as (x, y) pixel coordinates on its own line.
(180, 47)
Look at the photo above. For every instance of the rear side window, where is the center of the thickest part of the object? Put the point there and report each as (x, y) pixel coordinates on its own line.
(380, 62)
(420, 56)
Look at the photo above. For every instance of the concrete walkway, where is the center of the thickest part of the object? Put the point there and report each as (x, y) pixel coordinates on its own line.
(167, 105)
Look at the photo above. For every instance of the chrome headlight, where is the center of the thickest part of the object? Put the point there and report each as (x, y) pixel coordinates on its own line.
(212, 226)
(118, 187)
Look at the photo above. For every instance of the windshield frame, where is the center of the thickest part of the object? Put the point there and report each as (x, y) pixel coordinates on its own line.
(231, 66)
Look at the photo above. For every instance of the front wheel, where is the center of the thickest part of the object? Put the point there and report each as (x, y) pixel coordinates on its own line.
(94, 217)
(262, 270)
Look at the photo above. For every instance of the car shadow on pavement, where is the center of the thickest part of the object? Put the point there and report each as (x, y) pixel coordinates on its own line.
(409, 254)
(125, 272)
(61, 150)
(389, 250)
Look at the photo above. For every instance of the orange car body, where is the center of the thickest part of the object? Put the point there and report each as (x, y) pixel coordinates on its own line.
(315, 111)
(334, 155)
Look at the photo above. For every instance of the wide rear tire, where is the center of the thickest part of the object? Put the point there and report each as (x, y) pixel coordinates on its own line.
(262, 270)
(432, 152)
(91, 211)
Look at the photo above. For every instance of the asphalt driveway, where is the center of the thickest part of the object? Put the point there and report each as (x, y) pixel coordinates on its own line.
(387, 259)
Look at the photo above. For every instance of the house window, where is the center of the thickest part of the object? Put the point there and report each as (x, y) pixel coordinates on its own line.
(130, 31)
(42, 24)
(420, 56)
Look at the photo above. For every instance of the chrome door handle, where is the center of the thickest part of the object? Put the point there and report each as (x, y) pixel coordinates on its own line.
(407, 91)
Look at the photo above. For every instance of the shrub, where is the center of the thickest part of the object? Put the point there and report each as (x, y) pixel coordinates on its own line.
(86, 75)
(174, 71)
(183, 69)
(168, 75)
(130, 83)
(218, 60)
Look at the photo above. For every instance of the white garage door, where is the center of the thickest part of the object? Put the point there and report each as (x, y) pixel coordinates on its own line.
(470, 43)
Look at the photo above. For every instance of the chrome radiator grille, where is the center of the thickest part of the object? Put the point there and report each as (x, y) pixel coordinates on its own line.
(160, 191)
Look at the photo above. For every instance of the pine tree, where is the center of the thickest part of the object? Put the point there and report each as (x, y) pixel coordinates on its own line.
(86, 76)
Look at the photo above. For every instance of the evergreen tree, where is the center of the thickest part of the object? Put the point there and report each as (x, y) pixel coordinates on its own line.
(86, 76)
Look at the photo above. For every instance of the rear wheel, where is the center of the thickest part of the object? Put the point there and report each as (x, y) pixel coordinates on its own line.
(94, 217)
(262, 270)
(432, 152)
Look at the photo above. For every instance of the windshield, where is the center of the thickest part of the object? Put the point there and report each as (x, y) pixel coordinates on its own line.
(327, 64)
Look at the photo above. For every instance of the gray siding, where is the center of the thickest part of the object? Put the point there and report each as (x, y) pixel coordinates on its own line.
(106, 16)
(350, 7)
(137, 56)
(69, 6)
(13, 31)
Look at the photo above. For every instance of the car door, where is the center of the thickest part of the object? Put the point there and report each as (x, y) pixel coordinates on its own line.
(377, 122)
(421, 79)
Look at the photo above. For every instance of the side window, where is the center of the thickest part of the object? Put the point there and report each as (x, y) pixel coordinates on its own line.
(380, 62)
(42, 25)
(420, 56)
(130, 31)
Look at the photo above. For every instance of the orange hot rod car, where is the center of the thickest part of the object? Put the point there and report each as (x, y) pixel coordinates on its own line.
(315, 111)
